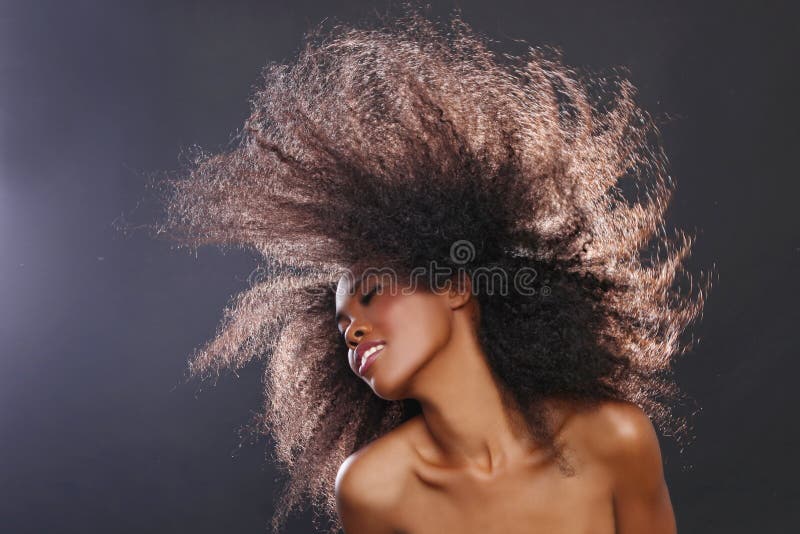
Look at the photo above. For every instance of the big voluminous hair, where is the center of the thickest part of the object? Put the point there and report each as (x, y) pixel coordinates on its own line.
(392, 142)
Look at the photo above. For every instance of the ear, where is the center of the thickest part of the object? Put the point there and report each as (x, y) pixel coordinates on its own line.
(460, 292)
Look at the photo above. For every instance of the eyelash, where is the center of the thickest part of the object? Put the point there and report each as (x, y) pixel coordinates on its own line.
(366, 298)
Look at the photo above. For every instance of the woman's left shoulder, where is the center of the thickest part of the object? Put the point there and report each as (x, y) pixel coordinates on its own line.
(617, 432)
(622, 442)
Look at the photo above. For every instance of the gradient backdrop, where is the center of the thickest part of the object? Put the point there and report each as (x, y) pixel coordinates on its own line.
(99, 432)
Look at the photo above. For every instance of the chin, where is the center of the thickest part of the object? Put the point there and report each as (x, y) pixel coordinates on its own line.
(387, 386)
(385, 390)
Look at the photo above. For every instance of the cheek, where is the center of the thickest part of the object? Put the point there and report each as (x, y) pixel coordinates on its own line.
(416, 328)
(416, 321)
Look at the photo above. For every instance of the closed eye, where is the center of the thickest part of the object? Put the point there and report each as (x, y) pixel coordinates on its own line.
(364, 301)
(366, 298)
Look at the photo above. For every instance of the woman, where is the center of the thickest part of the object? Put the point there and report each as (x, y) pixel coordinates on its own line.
(466, 464)
(500, 370)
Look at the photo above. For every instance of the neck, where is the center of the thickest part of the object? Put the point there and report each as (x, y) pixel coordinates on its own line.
(463, 409)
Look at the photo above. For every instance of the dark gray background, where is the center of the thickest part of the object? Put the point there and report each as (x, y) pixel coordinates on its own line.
(99, 432)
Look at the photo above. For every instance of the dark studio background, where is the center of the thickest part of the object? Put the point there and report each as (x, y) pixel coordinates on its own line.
(98, 430)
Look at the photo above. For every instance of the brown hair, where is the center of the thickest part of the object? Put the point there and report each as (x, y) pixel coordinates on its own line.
(395, 141)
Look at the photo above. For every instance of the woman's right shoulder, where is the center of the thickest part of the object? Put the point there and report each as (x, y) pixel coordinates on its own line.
(371, 482)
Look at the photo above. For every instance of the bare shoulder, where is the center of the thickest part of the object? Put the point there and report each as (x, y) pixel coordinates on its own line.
(622, 440)
(614, 428)
(621, 436)
(371, 481)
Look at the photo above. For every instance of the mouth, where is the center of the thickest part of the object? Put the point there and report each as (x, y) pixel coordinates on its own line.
(366, 353)
(367, 361)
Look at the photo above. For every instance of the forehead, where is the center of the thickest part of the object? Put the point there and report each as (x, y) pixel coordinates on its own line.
(344, 289)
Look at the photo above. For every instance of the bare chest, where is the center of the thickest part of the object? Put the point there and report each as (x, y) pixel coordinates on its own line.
(526, 502)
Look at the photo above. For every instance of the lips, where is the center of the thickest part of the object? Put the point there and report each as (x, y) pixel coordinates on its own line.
(363, 347)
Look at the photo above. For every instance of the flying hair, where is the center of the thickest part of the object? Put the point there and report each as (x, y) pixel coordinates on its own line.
(389, 143)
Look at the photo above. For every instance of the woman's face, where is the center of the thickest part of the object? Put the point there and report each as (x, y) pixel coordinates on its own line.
(412, 325)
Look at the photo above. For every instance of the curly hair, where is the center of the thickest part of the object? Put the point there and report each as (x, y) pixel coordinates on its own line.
(393, 141)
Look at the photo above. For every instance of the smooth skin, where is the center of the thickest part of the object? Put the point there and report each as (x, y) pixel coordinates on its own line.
(464, 465)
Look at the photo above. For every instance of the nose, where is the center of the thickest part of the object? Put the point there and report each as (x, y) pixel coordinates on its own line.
(354, 334)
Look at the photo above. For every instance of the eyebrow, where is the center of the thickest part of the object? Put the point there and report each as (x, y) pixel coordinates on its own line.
(339, 315)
